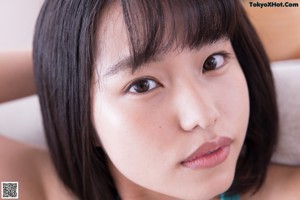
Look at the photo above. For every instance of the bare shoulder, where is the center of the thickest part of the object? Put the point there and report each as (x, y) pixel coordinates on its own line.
(288, 178)
(32, 168)
(282, 182)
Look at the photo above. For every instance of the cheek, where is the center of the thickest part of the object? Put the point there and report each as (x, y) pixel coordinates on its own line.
(236, 99)
(234, 104)
(131, 137)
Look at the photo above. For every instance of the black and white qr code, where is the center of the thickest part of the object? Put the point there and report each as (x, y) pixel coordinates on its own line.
(9, 190)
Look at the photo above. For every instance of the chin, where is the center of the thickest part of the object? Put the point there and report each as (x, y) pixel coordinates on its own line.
(212, 188)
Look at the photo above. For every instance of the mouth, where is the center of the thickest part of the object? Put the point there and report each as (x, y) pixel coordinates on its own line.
(209, 154)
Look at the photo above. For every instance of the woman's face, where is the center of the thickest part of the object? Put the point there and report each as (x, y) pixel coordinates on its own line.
(175, 127)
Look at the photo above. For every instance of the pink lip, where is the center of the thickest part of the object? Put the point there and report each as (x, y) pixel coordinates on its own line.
(209, 154)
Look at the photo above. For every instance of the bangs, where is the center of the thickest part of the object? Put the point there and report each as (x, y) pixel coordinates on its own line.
(156, 26)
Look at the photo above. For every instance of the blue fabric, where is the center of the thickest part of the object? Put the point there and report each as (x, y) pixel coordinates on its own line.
(234, 197)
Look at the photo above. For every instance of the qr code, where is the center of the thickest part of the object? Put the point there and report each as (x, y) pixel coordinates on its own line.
(9, 190)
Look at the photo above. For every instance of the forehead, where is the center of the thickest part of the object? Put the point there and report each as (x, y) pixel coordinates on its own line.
(112, 41)
(148, 30)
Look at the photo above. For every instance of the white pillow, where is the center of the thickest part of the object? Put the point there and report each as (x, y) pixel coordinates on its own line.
(287, 81)
(21, 120)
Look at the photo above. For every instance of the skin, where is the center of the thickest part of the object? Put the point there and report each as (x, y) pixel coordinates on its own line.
(147, 134)
(282, 182)
(32, 168)
(16, 67)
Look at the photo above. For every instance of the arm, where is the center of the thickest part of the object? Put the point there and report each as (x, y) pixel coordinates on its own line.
(16, 75)
(33, 169)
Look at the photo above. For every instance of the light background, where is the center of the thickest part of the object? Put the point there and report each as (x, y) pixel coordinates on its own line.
(20, 119)
(17, 19)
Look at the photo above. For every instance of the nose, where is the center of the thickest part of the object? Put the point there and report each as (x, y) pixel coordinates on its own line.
(196, 108)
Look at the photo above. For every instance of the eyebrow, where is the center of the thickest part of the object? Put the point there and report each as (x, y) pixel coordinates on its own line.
(121, 65)
(125, 64)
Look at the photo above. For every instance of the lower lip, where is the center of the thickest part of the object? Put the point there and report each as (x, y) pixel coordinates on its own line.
(209, 160)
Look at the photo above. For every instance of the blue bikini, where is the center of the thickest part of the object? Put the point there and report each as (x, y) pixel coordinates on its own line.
(234, 197)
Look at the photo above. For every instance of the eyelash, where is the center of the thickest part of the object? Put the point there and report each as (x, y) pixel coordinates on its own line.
(224, 56)
(149, 80)
(140, 81)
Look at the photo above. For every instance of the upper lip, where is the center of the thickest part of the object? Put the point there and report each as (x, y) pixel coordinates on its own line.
(208, 147)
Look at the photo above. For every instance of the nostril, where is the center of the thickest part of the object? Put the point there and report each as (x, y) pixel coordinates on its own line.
(196, 108)
(194, 121)
(198, 115)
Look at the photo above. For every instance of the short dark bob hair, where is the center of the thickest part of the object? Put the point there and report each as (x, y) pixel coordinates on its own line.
(65, 43)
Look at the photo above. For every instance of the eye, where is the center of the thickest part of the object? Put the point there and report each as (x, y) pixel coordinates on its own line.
(214, 62)
(143, 86)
